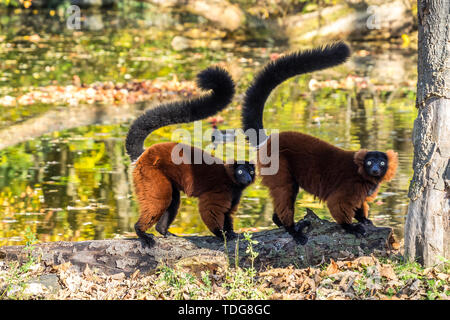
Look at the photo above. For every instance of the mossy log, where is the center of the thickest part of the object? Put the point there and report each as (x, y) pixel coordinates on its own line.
(275, 248)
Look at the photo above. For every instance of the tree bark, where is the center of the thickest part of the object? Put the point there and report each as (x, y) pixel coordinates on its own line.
(427, 228)
(276, 248)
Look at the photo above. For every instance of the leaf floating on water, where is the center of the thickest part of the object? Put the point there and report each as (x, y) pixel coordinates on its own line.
(106, 93)
(354, 81)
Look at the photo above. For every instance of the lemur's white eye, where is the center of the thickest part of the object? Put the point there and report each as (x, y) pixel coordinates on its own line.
(382, 163)
(369, 163)
(252, 172)
(239, 171)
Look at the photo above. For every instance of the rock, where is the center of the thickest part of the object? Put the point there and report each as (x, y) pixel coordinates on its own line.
(93, 3)
(197, 265)
(49, 281)
(180, 43)
(34, 289)
(374, 20)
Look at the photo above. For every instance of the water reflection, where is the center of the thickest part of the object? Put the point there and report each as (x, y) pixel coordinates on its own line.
(81, 188)
(75, 184)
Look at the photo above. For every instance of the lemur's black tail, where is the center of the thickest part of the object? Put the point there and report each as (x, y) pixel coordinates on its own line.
(214, 78)
(285, 67)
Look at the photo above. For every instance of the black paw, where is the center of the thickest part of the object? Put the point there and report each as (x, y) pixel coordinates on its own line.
(169, 234)
(300, 238)
(296, 231)
(356, 229)
(161, 231)
(299, 226)
(367, 222)
(230, 235)
(147, 239)
(226, 235)
(359, 229)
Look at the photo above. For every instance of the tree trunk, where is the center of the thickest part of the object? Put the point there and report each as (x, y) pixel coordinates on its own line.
(427, 228)
(276, 248)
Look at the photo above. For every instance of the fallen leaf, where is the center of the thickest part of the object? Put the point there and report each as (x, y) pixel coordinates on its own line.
(395, 245)
(332, 268)
(118, 276)
(387, 272)
(442, 276)
(87, 271)
(63, 267)
(426, 271)
(364, 261)
(274, 56)
(135, 274)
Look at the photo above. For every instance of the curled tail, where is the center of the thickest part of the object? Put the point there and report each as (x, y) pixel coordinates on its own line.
(214, 78)
(285, 67)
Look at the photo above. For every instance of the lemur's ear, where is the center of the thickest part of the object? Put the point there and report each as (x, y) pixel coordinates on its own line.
(358, 158)
(392, 165)
(250, 163)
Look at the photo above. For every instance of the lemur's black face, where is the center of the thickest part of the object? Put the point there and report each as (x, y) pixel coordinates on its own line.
(376, 164)
(244, 173)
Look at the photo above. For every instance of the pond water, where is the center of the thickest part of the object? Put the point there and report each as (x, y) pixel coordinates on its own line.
(74, 184)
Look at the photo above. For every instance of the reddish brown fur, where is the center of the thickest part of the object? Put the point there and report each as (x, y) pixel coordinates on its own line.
(155, 175)
(333, 175)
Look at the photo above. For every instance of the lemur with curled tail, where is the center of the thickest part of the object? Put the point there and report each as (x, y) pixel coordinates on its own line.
(345, 180)
(158, 179)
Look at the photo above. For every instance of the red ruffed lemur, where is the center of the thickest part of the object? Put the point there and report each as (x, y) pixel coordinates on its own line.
(345, 180)
(158, 179)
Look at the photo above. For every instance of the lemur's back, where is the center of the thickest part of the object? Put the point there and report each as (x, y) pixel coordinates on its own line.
(189, 172)
(309, 162)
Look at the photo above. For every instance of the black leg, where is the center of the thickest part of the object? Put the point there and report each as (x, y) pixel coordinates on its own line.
(299, 226)
(276, 220)
(296, 230)
(227, 231)
(297, 234)
(355, 229)
(167, 218)
(359, 216)
(228, 227)
(147, 238)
